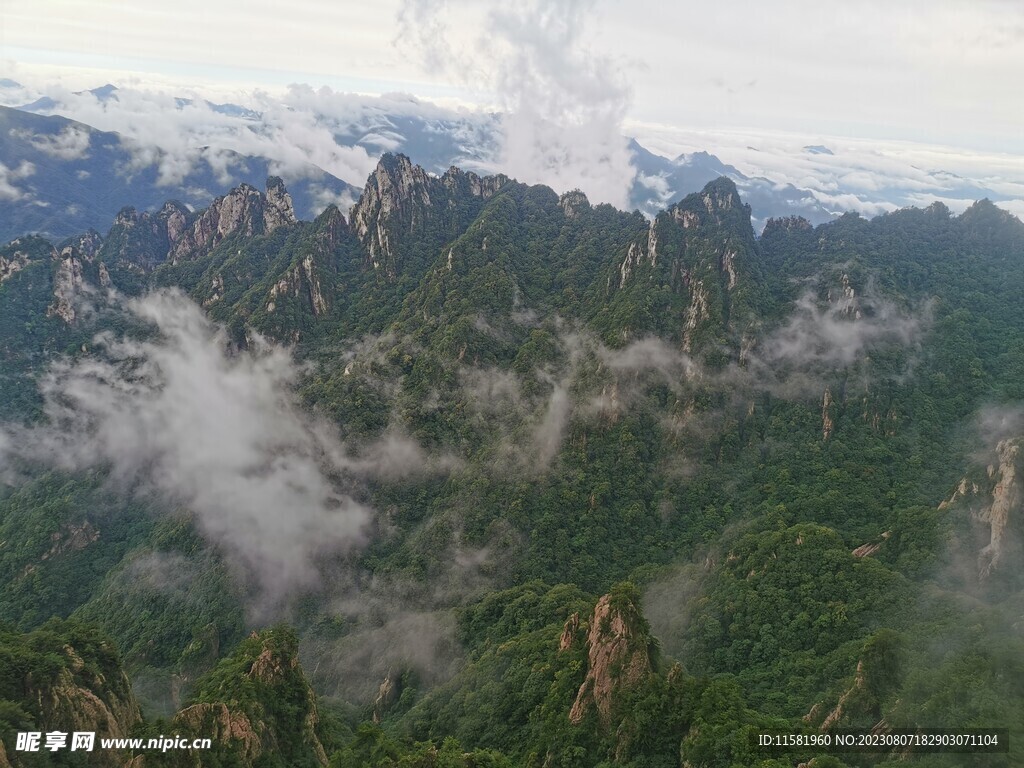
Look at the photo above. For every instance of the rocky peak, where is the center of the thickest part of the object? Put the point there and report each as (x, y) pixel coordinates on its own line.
(244, 210)
(573, 203)
(83, 688)
(395, 196)
(457, 180)
(787, 225)
(279, 210)
(398, 199)
(144, 239)
(87, 244)
(13, 260)
(719, 202)
(126, 217)
(171, 219)
(68, 282)
(330, 227)
(240, 716)
(720, 195)
(617, 654)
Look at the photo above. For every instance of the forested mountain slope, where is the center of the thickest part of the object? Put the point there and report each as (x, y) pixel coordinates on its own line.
(530, 481)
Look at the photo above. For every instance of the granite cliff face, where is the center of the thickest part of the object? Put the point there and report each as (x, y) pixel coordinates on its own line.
(243, 211)
(67, 677)
(994, 502)
(257, 704)
(617, 656)
(702, 249)
(401, 200)
(143, 241)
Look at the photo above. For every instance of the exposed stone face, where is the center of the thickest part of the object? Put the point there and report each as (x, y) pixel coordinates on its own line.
(845, 298)
(995, 501)
(217, 722)
(301, 279)
(573, 204)
(279, 210)
(394, 195)
(174, 219)
(872, 547)
(728, 267)
(144, 240)
(827, 425)
(238, 211)
(1006, 502)
(244, 210)
(387, 695)
(82, 699)
(652, 243)
(698, 310)
(572, 626)
(399, 196)
(11, 265)
(632, 260)
(88, 245)
(686, 219)
(834, 717)
(617, 659)
(67, 283)
(71, 538)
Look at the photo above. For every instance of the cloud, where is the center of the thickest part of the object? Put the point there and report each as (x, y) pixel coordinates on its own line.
(837, 334)
(869, 176)
(994, 423)
(70, 144)
(177, 134)
(179, 417)
(562, 101)
(9, 176)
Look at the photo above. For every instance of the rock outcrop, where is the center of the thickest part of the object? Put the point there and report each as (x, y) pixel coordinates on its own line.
(617, 657)
(387, 695)
(994, 502)
(574, 203)
(400, 198)
(244, 718)
(225, 726)
(702, 249)
(81, 697)
(67, 284)
(1006, 503)
(244, 210)
(12, 264)
(827, 424)
(143, 241)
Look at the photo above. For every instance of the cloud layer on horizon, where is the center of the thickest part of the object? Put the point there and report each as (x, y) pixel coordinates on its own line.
(346, 133)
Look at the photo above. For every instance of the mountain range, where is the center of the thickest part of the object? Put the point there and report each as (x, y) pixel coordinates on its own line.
(323, 145)
(473, 473)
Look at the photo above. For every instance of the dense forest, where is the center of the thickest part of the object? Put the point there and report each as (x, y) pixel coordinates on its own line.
(475, 475)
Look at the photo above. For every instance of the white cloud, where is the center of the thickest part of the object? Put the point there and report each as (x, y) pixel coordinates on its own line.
(222, 435)
(70, 144)
(9, 176)
(563, 101)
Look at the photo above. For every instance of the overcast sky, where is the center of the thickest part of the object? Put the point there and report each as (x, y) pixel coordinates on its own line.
(928, 71)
